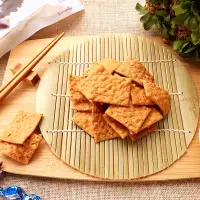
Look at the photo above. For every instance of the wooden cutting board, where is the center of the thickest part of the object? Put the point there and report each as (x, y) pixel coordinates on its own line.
(45, 162)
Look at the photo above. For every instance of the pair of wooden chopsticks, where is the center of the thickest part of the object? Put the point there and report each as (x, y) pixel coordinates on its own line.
(19, 76)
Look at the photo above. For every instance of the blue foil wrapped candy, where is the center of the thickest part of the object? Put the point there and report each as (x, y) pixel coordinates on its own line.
(16, 193)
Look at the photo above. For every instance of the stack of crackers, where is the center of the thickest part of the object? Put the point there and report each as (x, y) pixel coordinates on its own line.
(116, 99)
(19, 140)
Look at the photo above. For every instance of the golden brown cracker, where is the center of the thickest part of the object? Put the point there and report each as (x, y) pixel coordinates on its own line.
(21, 152)
(158, 95)
(106, 89)
(95, 125)
(116, 74)
(96, 107)
(21, 127)
(153, 117)
(96, 68)
(143, 133)
(119, 128)
(132, 117)
(103, 131)
(74, 93)
(85, 121)
(138, 96)
(110, 64)
(85, 106)
(135, 70)
(82, 106)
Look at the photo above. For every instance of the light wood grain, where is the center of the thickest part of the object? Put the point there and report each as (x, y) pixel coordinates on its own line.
(6, 89)
(45, 163)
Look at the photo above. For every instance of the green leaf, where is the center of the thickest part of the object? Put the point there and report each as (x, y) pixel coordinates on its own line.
(148, 25)
(178, 10)
(186, 5)
(178, 44)
(168, 19)
(184, 47)
(161, 13)
(145, 17)
(165, 32)
(194, 23)
(173, 24)
(179, 20)
(187, 22)
(141, 9)
(194, 9)
(172, 31)
(195, 37)
(190, 49)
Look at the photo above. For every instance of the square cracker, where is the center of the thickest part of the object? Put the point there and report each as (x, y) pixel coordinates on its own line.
(119, 128)
(116, 74)
(95, 125)
(110, 64)
(135, 70)
(96, 68)
(138, 96)
(21, 152)
(21, 127)
(86, 106)
(158, 95)
(106, 89)
(103, 131)
(85, 121)
(132, 117)
(153, 117)
(143, 133)
(74, 93)
(82, 106)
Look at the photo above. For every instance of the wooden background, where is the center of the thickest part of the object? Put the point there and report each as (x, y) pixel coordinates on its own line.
(185, 169)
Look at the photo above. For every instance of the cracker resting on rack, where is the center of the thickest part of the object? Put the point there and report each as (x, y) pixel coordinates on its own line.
(158, 95)
(106, 89)
(135, 70)
(120, 100)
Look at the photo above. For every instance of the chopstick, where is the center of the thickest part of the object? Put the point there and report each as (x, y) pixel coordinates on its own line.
(18, 77)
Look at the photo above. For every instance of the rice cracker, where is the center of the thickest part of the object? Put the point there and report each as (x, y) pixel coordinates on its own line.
(138, 96)
(106, 89)
(103, 131)
(119, 128)
(135, 70)
(143, 133)
(95, 125)
(153, 117)
(131, 117)
(110, 64)
(158, 95)
(96, 68)
(85, 121)
(21, 127)
(116, 74)
(86, 106)
(21, 153)
(74, 93)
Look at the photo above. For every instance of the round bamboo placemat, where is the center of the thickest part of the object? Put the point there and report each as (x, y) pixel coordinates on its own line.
(116, 158)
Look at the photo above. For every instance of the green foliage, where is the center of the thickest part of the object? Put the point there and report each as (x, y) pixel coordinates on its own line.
(177, 21)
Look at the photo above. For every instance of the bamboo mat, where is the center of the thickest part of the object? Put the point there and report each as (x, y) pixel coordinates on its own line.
(116, 158)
